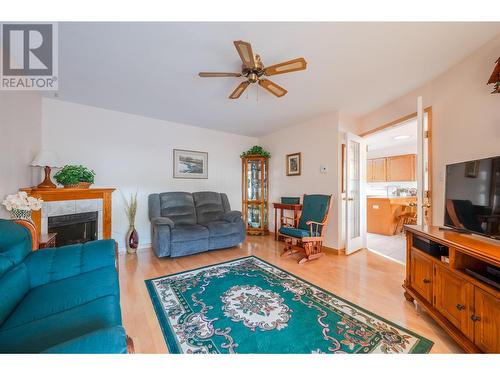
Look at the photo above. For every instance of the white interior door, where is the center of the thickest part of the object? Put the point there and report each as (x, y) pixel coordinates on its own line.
(423, 181)
(355, 198)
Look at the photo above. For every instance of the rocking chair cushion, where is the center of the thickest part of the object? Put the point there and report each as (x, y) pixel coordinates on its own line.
(315, 207)
(297, 232)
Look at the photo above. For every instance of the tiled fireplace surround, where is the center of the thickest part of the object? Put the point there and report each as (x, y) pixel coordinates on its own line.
(69, 207)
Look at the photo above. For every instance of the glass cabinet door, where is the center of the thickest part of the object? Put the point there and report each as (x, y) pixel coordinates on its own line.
(255, 191)
(254, 180)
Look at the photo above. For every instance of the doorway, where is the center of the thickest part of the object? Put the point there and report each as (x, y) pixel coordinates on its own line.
(395, 189)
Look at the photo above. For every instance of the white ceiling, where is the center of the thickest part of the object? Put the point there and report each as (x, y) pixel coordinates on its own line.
(150, 69)
(383, 142)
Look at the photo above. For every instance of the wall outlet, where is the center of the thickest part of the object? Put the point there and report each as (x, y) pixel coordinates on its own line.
(323, 169)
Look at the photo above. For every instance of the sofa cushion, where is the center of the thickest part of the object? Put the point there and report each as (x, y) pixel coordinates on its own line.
(66, 294)
(49, 265)
(178, 206)
(15, 244)
(39, 335)
(208, 206)
(187, 232)
(14, 284)
(104, 341)
(296, 232)
(222, 228)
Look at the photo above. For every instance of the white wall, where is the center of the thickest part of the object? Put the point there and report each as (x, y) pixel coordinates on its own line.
(466, 117)
(318, 141)
(20, 140)
(134, 153)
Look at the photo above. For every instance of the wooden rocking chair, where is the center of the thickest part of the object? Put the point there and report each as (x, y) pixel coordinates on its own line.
(308, 234)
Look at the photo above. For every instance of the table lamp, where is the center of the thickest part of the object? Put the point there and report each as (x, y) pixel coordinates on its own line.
(46, 160)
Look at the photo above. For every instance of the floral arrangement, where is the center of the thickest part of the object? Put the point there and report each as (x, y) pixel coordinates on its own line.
(131, 209)
(20, 205)
(256, 150)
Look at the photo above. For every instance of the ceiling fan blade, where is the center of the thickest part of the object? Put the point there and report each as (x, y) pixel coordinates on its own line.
(272, 87)
(286, 67)
(246, 54)
(239, 90)
(215, 74)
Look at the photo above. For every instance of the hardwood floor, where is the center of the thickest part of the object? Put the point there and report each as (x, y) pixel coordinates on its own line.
(364, 278)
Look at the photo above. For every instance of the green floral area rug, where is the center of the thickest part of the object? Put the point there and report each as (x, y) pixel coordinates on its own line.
(250, 306)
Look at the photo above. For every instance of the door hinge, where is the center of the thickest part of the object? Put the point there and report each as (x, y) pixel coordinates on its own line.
(426, 134)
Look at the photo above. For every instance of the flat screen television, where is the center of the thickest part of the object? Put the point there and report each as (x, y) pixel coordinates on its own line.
(472, 198)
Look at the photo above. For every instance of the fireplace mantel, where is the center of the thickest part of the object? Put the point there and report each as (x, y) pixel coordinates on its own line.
(63, 194)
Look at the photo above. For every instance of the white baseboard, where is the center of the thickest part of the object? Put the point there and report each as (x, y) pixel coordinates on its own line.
(145, 246)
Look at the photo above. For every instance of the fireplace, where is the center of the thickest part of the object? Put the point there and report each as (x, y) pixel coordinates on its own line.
(74, 228)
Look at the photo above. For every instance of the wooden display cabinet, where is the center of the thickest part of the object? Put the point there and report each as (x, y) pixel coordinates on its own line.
(466, 307)
(255, 192)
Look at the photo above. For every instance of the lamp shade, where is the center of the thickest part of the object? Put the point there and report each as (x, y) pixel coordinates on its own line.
(46, 159)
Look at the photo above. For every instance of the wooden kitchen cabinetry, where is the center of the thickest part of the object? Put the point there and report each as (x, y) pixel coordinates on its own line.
(461, 302)
(392, 168)
(376, 170)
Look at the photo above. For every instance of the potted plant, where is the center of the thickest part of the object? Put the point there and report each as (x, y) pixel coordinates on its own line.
(20, 205)
(132, 237)
(254, 151)
(75, 176)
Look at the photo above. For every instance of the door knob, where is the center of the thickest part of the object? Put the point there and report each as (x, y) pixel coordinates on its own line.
(460, 307)
(412, 204)
(426, 281)
(475, 318)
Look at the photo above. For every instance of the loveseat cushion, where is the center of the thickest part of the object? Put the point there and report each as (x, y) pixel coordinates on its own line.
(104, 341)
(223, 228)
(14, 285)
(15, 244)
(178, 206)
(63, 295)
(208, 206)
(54, 264)
(188, 232)
(41, 334)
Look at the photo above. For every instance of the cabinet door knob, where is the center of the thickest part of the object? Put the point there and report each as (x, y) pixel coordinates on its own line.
(475, 318)
(426, 281)
(460, 307)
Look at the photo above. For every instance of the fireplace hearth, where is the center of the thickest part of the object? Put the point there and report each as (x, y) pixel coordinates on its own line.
(74, 228)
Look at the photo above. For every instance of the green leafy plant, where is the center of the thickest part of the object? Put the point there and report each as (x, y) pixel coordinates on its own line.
(256, 150)
(73, 174)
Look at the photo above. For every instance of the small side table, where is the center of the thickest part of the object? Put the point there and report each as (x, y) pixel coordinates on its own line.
(47, 240)
(284, 206)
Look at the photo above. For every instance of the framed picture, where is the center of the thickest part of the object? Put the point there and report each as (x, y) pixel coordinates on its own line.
(293, 164)
(472, 169)
(190, 164)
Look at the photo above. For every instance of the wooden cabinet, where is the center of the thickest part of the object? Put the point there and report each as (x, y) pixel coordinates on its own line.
(376, 170)
(486, 321)
(421, 275)
(401, 168)
(453, 297)
(393, 168)
(466, 307)
(255, 193)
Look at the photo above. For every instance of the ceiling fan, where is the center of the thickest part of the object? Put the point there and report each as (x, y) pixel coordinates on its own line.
(254, 71)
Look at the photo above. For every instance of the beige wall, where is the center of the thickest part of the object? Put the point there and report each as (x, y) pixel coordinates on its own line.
(134, 154)
(318, 141)
(466, 117)
(20, 140)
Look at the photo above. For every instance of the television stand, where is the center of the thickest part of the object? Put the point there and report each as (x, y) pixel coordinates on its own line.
(439, 279)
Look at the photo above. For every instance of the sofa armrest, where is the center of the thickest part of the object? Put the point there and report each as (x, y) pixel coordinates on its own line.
(103, 341)
(162, 221)
(231, 216)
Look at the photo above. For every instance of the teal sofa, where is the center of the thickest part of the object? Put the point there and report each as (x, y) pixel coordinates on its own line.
(59, 300)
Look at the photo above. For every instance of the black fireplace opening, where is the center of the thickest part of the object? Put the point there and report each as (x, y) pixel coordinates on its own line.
(74, 228)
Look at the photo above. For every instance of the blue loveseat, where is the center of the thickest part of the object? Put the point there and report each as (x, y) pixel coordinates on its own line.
(188, 223)
(59, 300)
